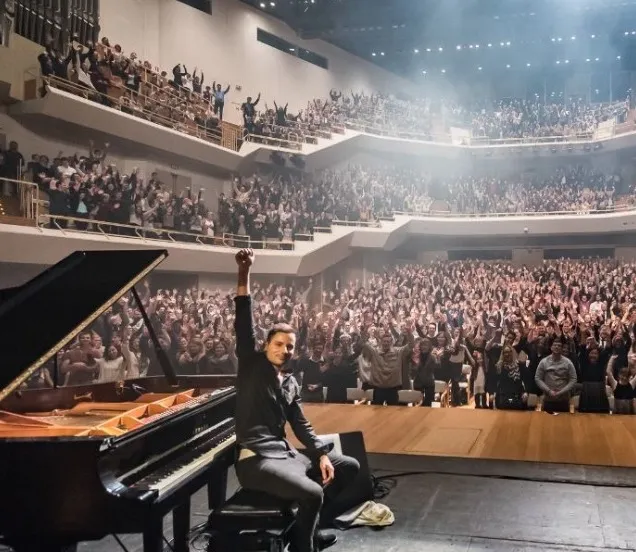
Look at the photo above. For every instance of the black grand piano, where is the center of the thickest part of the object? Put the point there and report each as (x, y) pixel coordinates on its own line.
(81, 462)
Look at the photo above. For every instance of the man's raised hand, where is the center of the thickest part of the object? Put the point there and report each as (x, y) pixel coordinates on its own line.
(244, 259)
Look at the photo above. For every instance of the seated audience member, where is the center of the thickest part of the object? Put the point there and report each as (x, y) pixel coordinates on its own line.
(556, 377)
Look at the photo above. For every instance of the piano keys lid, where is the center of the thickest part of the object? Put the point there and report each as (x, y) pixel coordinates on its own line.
(40, 317)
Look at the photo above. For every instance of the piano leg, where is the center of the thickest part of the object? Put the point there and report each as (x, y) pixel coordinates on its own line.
(153, 535)
(217, 487)
(181, 527)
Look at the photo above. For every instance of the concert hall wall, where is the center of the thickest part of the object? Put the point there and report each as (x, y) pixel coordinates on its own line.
(224, 46)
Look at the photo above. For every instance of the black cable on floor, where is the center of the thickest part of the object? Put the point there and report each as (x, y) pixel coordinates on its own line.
(392, 476)
(120, 543)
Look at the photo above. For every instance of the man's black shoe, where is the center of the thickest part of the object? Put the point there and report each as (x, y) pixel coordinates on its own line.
(324, 540)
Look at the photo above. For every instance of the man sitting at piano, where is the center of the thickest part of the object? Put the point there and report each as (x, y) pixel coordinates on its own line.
(267, 398)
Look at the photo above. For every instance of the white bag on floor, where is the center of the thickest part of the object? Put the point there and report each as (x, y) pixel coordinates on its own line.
(370, 514)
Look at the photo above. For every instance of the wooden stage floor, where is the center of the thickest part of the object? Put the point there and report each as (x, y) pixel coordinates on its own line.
(584, 439)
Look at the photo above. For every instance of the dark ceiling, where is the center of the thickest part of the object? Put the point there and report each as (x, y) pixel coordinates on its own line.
(464, 37)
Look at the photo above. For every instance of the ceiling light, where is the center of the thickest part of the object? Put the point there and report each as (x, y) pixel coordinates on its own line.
(381, 53)
(272, 4)
(428, 49)
(501, 44)
(626, 33)
(476, 45)
(567, 61)
(416, 51)
(373, 54)
(478, 68)
(443, 70)
(573, 38)
(441, 49)
(634, 32)
(559, 39)
(618, 57)
(489, 45)
(554, 40)
(597, 59)
(593, 36)
(527, 65)
(508, 66)
(588, 59)
(558, 62)
(423, 72)
(470, 46)
(262, 4)
(508, 43)
(459, 47)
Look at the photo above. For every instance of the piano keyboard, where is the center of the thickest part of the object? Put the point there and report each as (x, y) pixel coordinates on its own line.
(173, 473)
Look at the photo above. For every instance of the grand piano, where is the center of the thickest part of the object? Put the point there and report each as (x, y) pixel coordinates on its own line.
(80, 462)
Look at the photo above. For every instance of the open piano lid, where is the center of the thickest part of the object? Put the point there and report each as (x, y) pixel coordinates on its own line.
(38, 318)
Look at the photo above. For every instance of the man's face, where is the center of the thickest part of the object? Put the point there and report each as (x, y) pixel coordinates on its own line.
(280, 348)
(557, 348)
(317, 350)
(85, 339)
(386, 343)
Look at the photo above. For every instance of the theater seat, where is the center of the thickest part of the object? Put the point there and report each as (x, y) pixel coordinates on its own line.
(410, 397)
(355, 394)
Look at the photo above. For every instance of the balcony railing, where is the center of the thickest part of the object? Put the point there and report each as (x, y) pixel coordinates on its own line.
(109, 230)
(620, 208)
(20, 201)
(224, 136)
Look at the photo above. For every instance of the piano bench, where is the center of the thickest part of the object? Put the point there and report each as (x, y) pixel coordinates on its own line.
(253, 517)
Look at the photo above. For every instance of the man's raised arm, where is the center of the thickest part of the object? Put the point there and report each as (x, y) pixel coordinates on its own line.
(243, 323)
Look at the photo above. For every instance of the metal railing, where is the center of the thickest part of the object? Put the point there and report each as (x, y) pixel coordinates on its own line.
(109, 230)
(125, 104)
(619, 208)
(25, 197)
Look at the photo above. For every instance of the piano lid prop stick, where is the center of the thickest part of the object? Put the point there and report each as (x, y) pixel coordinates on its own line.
(162, 357)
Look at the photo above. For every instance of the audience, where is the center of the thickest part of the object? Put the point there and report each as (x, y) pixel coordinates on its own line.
(140, 89)
(501, 330)
(278, 205)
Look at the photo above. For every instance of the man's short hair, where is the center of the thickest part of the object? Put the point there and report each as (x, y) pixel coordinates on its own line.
(279, 328)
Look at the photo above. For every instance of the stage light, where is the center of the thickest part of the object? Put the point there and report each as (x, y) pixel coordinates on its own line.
(618, 57)
(559, 39)
(588, 59)
(443, 70)
(381, 53)
(416, 51)
(423, 72)
(478, 68)
(573, 38)
(476, 45)
(558, 62)
(527, 65)
(428, 49)
(597, 59)
(567, 61)
(441, 49)
(508, 43)
(272, 4)
(263, 5)
(489, 45)
(373, 54)
(459, 47)
(593, 36)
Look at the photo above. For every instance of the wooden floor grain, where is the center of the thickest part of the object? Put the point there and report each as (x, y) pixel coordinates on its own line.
(585, 439)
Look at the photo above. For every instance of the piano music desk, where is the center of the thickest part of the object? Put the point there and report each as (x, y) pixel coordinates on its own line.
(584, 439)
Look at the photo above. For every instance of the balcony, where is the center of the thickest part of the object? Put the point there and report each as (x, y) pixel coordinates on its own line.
(67, 109)
(55, 237)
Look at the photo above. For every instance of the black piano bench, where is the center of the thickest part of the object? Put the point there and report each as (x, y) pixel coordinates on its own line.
(251, 520)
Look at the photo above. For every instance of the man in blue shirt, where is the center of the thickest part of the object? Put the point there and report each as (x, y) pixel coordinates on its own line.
(219, 99)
